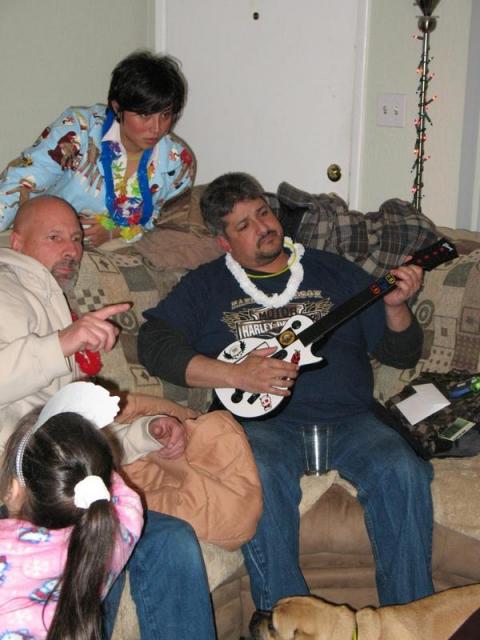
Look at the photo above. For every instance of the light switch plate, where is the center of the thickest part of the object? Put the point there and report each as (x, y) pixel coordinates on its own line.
(391, 109)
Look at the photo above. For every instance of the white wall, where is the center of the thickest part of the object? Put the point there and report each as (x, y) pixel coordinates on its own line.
(386, 154)
(57, 53)
(468, 210)
(393, 56)
(60, 52)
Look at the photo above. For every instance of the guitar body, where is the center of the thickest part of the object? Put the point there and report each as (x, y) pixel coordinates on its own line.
(288, 347)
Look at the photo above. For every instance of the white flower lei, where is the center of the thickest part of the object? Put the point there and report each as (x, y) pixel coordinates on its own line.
(276, 300)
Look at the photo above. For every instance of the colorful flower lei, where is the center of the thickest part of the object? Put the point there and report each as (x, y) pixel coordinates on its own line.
(127, 233)
(140, 215)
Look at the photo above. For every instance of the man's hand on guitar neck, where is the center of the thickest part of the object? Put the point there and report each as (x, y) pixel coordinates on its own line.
(409, 281)
(257, 373)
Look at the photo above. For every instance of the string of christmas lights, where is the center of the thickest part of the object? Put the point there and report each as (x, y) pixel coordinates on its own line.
(426, 24)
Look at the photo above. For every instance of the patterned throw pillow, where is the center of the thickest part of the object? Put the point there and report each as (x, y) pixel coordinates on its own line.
(125, 276)
(448, 309)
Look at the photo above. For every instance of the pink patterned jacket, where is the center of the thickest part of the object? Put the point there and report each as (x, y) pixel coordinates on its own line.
(33, 558)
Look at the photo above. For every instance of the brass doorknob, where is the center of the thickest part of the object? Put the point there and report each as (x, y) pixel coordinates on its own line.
(334, 172)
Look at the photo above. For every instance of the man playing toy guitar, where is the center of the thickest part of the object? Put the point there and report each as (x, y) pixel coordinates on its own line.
(263, 281)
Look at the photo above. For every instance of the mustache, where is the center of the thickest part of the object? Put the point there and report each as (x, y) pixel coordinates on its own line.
(265, 235)
(67, 264)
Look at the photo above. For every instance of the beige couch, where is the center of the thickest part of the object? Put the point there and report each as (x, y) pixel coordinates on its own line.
(335, 551)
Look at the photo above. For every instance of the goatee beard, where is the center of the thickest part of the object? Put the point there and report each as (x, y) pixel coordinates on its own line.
(64, 281)
(272, 252)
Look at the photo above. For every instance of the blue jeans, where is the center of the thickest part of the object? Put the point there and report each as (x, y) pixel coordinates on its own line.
(168, 584)
(393, 486)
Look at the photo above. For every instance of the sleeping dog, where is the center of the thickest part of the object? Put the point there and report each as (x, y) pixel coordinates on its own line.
(436, 617)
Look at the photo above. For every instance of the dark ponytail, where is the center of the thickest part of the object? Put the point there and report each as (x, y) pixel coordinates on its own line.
(65, 450)
(78, 613)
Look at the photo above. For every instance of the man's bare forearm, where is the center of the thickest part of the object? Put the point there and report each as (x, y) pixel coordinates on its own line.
(209, 373)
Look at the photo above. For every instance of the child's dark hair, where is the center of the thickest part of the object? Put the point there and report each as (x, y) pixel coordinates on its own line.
(145, 82)
(61, 453)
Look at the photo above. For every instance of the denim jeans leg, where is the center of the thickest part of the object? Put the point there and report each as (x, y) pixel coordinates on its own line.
(393, 486)
(168, 582)
(272, 556)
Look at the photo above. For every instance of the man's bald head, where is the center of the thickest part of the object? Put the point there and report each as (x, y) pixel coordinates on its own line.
(28, 212)
(46, 228)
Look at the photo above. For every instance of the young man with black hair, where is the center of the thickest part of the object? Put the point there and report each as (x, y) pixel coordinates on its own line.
(116, 165)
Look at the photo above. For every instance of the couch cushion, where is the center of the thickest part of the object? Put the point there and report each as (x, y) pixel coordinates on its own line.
(180, 240)
(466, 241)
(120, 276)
(184, 212)
(177, 248)
(454, 479)
(448, 309)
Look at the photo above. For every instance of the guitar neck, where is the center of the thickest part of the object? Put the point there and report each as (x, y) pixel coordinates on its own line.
(440, 252)
(348, 309)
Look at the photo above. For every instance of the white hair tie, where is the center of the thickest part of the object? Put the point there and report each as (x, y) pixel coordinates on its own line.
(89, 490)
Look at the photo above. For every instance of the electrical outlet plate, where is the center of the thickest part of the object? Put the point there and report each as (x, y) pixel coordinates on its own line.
(391, 109)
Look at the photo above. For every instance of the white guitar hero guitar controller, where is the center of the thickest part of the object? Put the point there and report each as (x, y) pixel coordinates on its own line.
(288, 346)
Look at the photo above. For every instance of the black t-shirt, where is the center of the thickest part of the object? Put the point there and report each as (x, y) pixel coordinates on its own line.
(210, 309)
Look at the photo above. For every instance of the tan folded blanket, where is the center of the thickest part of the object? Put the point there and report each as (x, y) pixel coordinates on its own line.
(214, 486)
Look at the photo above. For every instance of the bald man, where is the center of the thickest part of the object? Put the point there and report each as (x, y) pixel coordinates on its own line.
(38, 341)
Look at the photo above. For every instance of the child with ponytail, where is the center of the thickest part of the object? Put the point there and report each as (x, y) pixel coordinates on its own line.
(71, 521)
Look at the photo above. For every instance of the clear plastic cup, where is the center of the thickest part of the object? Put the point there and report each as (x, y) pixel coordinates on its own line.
(311, 446)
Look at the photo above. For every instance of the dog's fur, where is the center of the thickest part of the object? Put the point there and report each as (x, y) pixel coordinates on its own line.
(309, 618)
